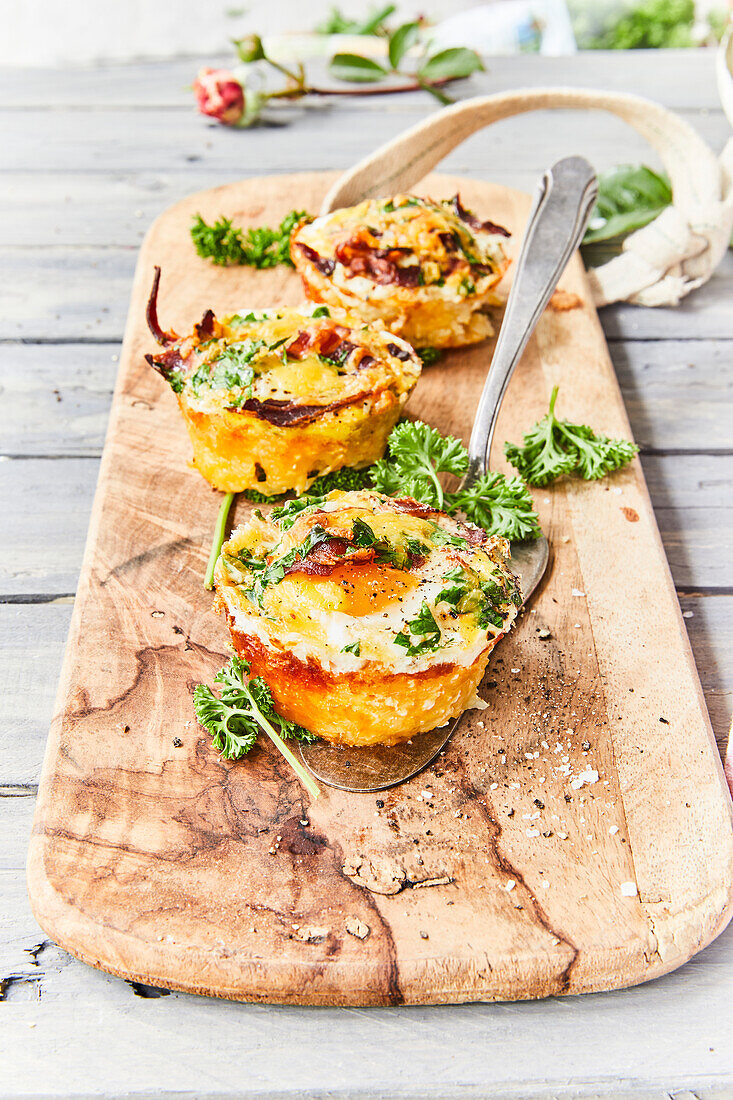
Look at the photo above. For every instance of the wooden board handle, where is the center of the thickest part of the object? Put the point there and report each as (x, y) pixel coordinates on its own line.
(660, 263)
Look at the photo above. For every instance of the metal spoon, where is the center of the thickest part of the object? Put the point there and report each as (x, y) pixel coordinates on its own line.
(556, 224)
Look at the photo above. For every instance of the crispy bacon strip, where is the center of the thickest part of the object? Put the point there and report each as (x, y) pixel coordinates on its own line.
(151, 314)
(323, 340)
(205, 328)
(327, 556)
(378, 264)
(412, 507)
(476, 223)
(474, 535)
(324, 266)
(284, 414)
(168, 361)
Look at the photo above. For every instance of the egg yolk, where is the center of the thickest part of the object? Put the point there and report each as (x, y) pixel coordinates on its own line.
(366, 589)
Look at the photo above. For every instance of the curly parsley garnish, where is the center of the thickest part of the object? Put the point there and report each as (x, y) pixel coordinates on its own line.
(244, 709)
(554, 447)
(429, 356)
(260, 247)
(419, 453)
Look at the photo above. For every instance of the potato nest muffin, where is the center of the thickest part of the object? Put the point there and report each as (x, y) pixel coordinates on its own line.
(276, 398)
(370, 618)
(427, 269)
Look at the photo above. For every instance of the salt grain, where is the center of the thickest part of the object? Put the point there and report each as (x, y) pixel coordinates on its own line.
(628, 889)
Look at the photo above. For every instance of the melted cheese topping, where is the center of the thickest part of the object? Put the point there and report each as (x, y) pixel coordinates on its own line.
(248, 357)
(403, 592)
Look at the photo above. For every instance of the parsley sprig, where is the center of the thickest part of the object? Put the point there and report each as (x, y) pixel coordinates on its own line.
(554, 447)
(244, 709)
(418, 453)
(261, 247)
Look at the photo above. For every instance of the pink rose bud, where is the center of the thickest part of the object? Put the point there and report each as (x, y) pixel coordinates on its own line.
(219, 95)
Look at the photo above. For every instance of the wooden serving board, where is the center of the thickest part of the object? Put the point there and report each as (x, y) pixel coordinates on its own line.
(501, 871)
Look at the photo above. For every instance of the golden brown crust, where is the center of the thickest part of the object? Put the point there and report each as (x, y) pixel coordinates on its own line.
(364, 707)
(236, 451)
(421, 276)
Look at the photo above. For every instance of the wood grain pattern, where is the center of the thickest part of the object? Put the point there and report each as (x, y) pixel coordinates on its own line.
(157, 862)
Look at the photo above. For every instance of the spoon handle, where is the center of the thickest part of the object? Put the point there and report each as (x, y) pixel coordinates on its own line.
(555, 228)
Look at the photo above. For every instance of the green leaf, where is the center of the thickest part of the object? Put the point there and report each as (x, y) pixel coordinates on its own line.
(554, 447)
(401, 41)
(338, 23)
(424, 627)
(355, 69)
(458, 61)
(243, 710)
(501, 505)
(629, 197)
(429, 356)
(417, 454)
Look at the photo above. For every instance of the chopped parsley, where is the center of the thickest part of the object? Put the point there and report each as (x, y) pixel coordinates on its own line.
(231, 371)
(176, 379)
(425, 628)
(274, 572)
(260, 247)
(354, 648)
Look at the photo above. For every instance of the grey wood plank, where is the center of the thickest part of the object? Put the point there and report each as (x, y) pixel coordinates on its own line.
(57, 397)
(73, 1031)
(678, 394)
(33, 639)
(109, 208)
(676, 78)
(692, 499)
(322, 136)
(32, 644)
(62, 294)
(691, 494)
(705, 313)
(82, 294)
(50, 501)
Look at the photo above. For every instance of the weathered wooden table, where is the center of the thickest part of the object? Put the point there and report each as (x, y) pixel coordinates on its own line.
(89, 158)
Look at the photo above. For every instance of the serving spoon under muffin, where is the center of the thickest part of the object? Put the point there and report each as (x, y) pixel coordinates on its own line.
(556, 224)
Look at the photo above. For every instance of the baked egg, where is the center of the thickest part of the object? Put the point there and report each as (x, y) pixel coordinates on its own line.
(272, 399)
(427, 269)
(370, 618)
